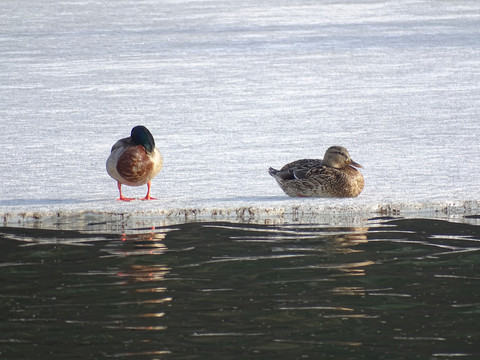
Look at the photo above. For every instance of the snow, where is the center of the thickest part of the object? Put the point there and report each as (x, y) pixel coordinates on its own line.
(231, 88)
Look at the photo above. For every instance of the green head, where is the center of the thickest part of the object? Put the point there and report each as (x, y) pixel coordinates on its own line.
(142, 136)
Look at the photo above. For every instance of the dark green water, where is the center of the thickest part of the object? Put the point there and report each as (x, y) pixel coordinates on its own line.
(393, 289)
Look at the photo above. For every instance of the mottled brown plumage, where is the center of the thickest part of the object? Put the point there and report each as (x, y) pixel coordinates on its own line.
(134, 161)
(334, 176)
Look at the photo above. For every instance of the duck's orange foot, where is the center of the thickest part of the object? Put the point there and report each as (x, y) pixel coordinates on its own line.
(123, 198)
(148, 198)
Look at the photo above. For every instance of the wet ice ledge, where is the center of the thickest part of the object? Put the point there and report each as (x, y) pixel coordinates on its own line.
(248, 210)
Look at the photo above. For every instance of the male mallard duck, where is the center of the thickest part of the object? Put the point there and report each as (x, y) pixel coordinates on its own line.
(135, 161)
(334, 176)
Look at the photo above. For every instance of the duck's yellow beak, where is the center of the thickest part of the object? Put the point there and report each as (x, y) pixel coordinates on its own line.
(353, 163)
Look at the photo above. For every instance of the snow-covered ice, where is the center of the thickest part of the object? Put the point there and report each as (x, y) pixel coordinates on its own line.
(229, 88)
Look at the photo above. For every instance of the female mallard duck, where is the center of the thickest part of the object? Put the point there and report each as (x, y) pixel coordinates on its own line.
(334, 176)
(135, 161)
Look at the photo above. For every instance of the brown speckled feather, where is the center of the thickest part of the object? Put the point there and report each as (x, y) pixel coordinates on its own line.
(134, 161)
(318, 178)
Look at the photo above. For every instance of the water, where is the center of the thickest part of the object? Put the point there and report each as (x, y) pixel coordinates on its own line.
(393, 288)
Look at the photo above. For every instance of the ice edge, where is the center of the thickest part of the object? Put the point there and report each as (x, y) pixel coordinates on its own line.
(295, 212)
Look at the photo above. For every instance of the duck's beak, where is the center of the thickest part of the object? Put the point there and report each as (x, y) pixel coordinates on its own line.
(353, 163)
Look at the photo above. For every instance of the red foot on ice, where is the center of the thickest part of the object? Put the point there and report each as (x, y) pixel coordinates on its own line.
(123, 198)
(147, 198)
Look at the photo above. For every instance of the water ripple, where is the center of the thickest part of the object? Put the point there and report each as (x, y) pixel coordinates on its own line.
(393, 286)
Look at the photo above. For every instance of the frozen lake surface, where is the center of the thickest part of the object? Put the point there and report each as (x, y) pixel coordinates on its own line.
(231, 88)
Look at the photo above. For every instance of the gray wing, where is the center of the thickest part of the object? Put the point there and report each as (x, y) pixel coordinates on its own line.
(122, 143)
(299, 169)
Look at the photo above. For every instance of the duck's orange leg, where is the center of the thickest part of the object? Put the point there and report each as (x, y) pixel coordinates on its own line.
(122, 198)
(148, 197)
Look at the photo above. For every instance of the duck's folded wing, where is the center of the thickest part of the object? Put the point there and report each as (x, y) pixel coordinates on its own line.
(122, 143)
(317, 172)
(300, 169)
(300, 174)
(285, 174)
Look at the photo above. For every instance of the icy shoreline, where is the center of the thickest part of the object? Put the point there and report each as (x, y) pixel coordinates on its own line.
(280, 212)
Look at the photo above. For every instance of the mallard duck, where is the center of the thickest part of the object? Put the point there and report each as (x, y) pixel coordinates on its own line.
(135, 161)
(334, 176)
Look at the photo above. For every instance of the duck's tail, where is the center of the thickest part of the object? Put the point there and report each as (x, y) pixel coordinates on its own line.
(273, 172)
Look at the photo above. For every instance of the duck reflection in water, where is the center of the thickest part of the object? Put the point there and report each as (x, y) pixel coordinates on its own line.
(142, 281)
